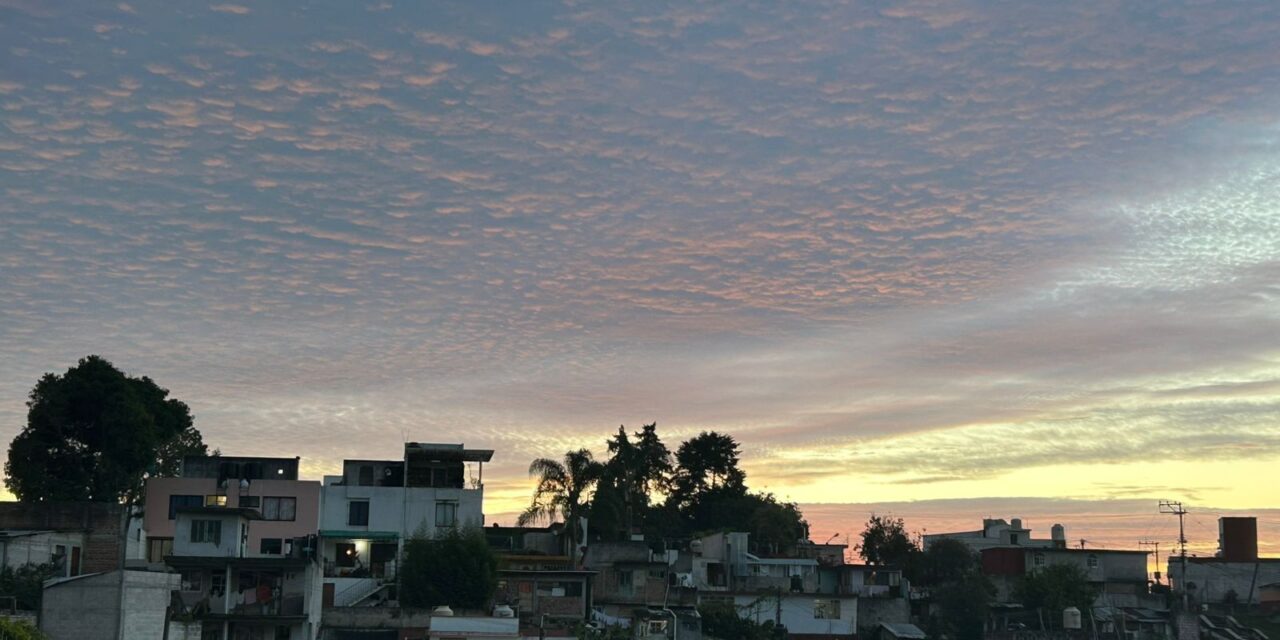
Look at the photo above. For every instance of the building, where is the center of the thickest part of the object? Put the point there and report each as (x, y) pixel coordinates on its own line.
(84, 537)
(537, 579)
(288, 508)
(368, 512)
(90, 606)
(1236, 572)
(996, 532)
(237, 591)
(1120, 576)
(815, 595)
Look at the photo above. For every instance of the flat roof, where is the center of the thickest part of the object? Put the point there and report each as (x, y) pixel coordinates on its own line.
(256, 562)
(452, 452)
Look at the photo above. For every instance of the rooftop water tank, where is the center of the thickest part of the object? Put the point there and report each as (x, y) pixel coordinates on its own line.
(442, 610)
(1071, 618)
(1015, 523)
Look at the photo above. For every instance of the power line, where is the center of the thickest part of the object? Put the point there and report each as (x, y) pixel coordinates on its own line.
(1175, 508)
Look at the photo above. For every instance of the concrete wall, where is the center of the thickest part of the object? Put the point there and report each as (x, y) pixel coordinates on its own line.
(1214, 578)
(399, 509)
(39, 549)
(87, 608)
(798, 613)
(873, 611)
(305, 522)
(228, 545)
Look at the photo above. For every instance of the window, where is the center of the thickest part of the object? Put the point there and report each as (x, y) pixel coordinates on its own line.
(271, 546)
(250, 502)
(192, 581)
(1093, 561)
(279, 508)
(158, 548)
(625, 580)
(206, 531)
(446, 514)
(183, 502)
(1013, 538)
(358, 513)
(1039, 560)
(826, 609)
(215, 501)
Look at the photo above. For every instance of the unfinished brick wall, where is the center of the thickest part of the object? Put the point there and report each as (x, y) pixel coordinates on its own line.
(101, 522)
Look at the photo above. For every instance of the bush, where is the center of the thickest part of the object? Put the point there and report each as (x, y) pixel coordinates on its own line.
(15, 630)
(456, 568)
(26, 583)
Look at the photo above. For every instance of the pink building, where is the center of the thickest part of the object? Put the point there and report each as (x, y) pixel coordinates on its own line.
(289, 507)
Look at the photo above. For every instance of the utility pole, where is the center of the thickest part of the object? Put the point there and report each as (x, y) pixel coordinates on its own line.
(1175, 508)
(1156, 545)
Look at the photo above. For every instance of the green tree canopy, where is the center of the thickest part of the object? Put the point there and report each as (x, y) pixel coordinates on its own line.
(885, 542)
(1054, 588)
(706, 462)
(456, 568)
(723, 622)
(93, 433)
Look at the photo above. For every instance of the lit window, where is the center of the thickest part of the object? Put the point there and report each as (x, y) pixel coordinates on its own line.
(215, 501)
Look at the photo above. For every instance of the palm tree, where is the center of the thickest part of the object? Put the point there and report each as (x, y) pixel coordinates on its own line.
(562, 492)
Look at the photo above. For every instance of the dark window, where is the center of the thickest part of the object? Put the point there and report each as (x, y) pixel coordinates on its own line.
(271, 546)
(346, 554)
(158, 548)
(250, 502)
(206, 531)
(358, 513)
(366, 476)
(182, 502)
(382, 552)
(446, 514)
(279, 508)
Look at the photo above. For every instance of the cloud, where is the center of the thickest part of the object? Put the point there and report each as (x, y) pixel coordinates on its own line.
(825, 228)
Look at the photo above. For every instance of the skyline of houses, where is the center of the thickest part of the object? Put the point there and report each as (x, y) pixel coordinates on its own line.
(238, 547)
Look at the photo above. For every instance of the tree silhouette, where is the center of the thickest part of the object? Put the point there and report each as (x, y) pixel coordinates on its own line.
(93, 433)
(562, 491)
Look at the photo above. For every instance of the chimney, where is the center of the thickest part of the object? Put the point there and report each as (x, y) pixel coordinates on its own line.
(1238, 539)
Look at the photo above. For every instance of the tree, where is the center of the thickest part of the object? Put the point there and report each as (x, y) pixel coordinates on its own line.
(456, 568)
(885, 542)
(1054, 588)
(963, 602)
(26, 583)
(706, 462)
(19, 630)
(722, 621)
(562, 491)
(946, 560)
(93, 433)
(634, 472)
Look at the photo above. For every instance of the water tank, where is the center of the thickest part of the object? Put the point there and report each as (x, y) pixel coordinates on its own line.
(1071, 618)
(1059, 536)
(1015, 523)
(442, 610)
(503, 611)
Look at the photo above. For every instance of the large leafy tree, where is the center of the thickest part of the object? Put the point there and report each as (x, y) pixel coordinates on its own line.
(457, 568)
(636, 469)
(885, 542)
(93, 433)
(1051, 589)
(563, 491)
(706, 462)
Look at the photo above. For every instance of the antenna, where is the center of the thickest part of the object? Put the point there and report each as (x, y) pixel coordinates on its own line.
(1082, 541)
(1175, 508)
(1156, 545)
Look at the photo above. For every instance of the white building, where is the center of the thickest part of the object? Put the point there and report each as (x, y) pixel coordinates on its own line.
(236, 591)
(368, 512)
(995, 532)
(61, 548)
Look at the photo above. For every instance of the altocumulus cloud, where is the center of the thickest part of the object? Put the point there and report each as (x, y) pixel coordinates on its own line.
(862, 228)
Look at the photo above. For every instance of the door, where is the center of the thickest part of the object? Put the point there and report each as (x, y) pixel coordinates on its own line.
(75, 561)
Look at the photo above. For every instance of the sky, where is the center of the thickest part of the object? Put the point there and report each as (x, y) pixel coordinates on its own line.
(941, 259)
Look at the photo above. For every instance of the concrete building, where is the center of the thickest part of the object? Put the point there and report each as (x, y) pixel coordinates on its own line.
(90, 606)
(375, 505)
(1119, 575)
(90, 533)
(995, 532)
(236, 591)
(1235, 572)
(289, 508)
(815, 595)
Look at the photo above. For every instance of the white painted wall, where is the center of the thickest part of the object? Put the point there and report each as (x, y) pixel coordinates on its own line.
(399, 509)
(39, 548)
(230, 545)
(797, 612)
